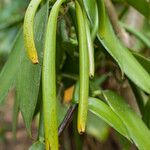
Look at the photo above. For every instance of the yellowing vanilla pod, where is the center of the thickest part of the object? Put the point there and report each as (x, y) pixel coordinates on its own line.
(28, 30)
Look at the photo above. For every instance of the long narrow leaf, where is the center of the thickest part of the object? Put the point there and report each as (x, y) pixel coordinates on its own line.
(10, 69)
(145, 62)
(29, 75)
(103, 111)
(127, 62)
(138, 131)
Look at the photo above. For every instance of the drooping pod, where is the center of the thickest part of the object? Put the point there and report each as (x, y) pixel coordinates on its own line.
(28, 30)
(90, 47)
(84, 70)
(49, 80)
(91, 9)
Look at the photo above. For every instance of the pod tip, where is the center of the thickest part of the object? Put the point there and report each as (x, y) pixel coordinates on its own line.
(35, 60)
(81, 129)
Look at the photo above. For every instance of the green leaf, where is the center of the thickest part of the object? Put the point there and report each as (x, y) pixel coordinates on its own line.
(97, 128)
(15, 116)
(11, 13)
(6, 38)
(146, 113)
(145, 62)
(29, 75)
(127, 62)
(143, 6)
(11, 67)
(137, 130)
(102, 17)
(138, 95)
(103, 111)
(95, 85)
(37, 146)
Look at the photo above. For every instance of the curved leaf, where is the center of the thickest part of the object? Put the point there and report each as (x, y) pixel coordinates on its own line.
(127, 62)
(103, 111)
(146, 113)
(29, 75)
(138, 131)
(97, 128)
(145, 62)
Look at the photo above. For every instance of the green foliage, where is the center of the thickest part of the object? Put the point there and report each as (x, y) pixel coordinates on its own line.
(100, 109)
(97, 127)
(10, 69)
(27, 89)
(128, 64)
(37, 146)
(130, 119)
(77, 47)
